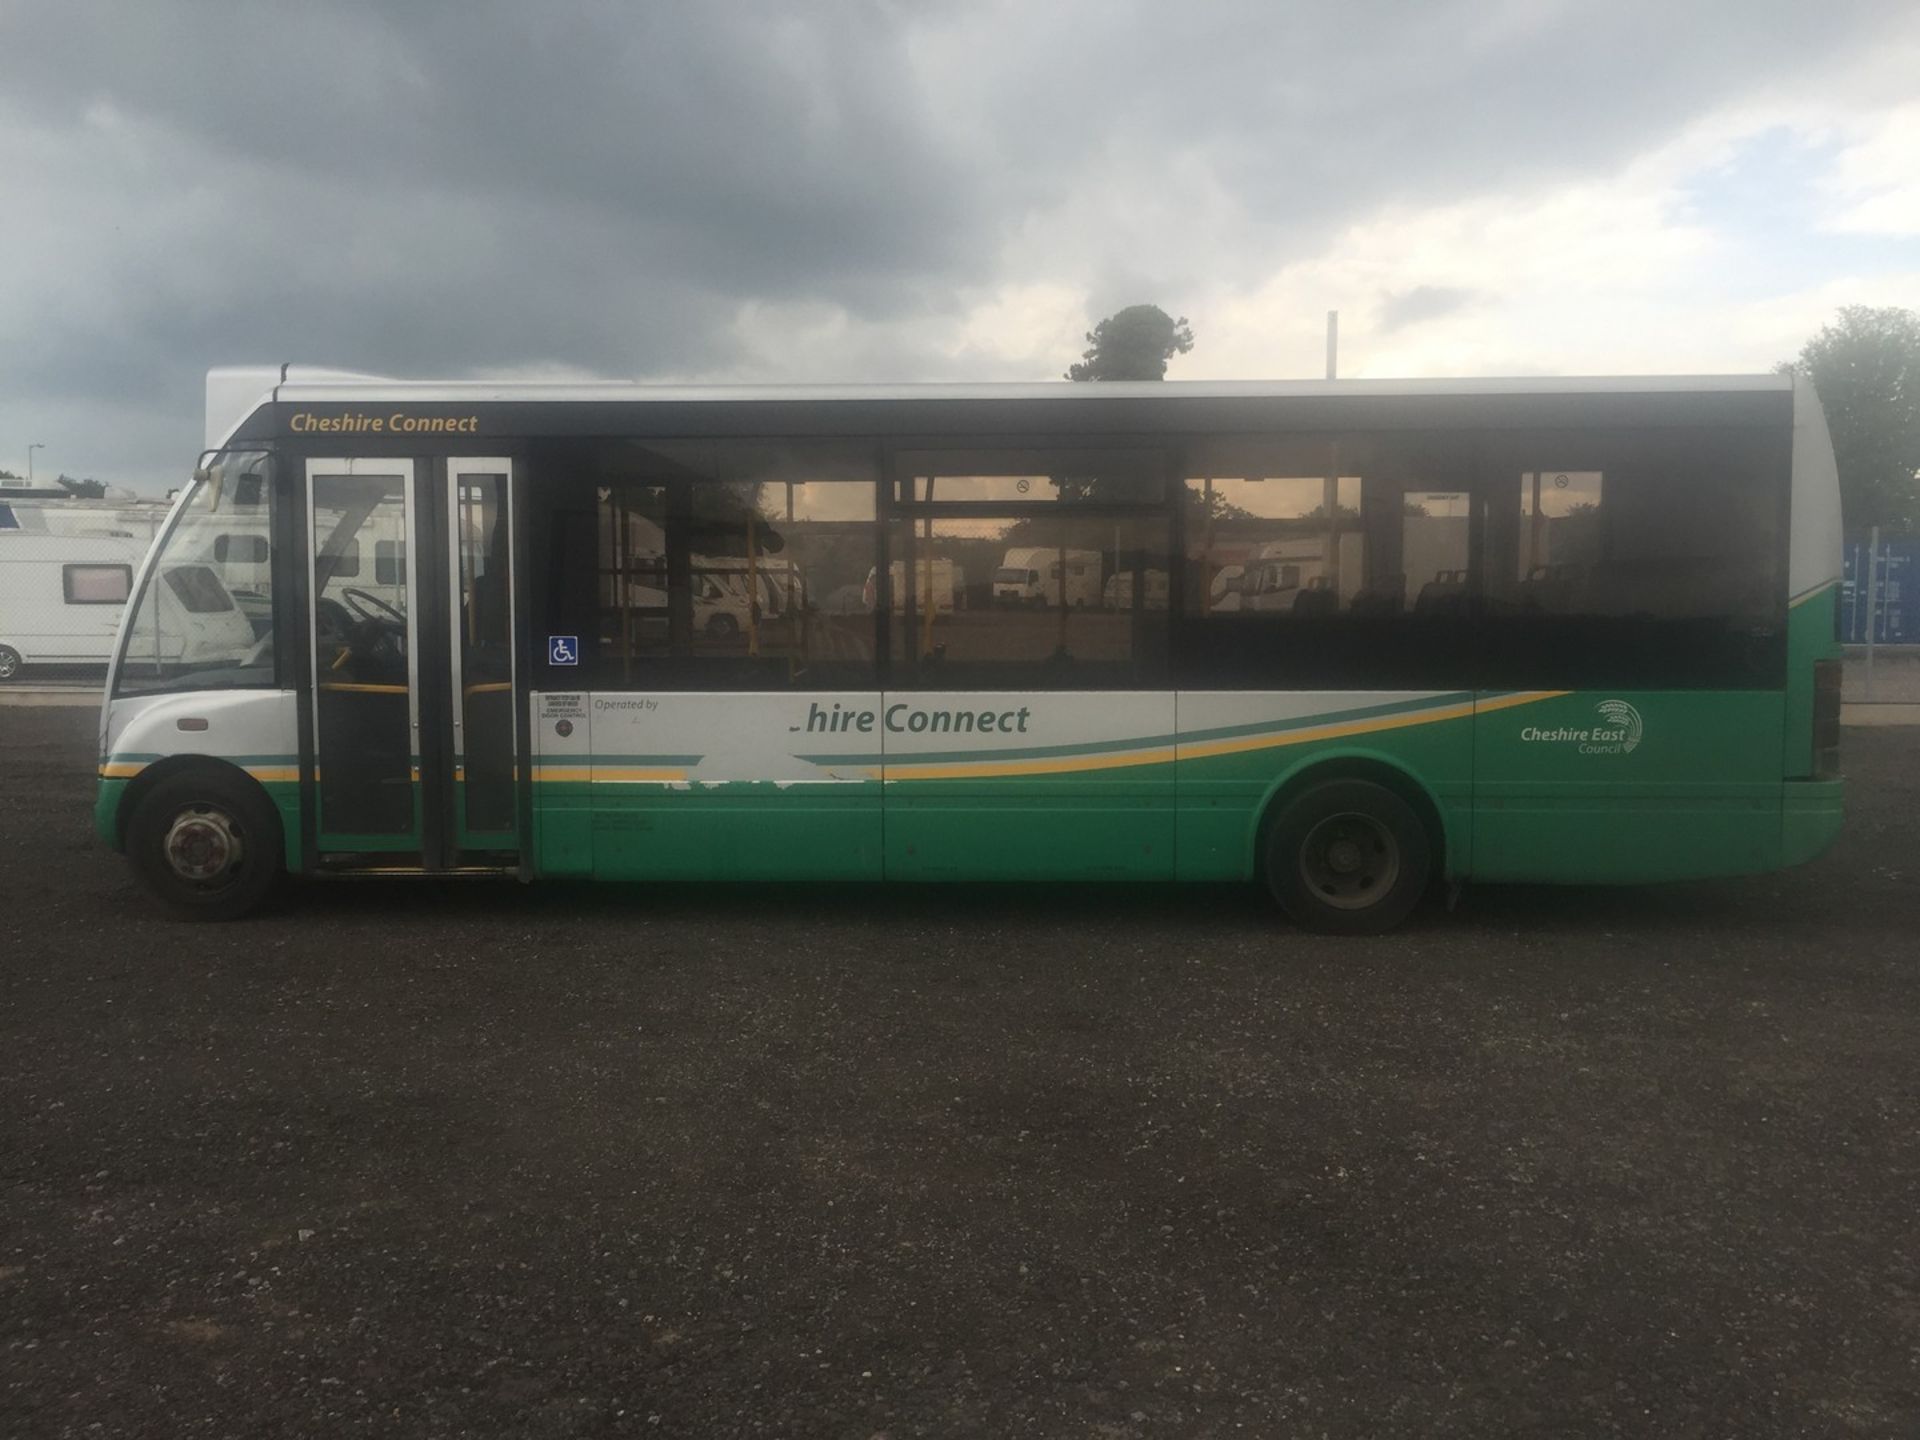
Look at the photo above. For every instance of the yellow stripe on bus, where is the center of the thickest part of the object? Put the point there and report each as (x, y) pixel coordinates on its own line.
(905, 769)
(1797, 601)
(1207, 749)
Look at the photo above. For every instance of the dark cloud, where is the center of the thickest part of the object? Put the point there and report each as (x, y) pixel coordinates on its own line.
(446, 187)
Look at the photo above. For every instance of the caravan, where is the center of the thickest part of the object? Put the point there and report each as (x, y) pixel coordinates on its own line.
(61, 597)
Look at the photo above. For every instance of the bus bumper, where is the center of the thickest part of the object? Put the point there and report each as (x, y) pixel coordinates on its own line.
(1810, 816)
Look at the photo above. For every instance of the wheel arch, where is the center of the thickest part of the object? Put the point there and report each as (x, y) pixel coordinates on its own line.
(165, 768)
(1372, 765)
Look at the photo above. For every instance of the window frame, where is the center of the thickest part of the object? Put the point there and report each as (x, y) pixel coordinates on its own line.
(67, 576)
(682, 666)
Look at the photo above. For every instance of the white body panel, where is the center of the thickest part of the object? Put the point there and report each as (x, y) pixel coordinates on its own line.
(781, 737)
(1813, 558)
(256, 729)
(685, 741)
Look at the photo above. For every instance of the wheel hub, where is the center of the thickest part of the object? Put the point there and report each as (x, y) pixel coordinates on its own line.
(1343, 856)
(203, 845)
(1350, 860)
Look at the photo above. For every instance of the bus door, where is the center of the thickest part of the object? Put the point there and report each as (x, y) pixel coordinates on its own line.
(365, 656)
(414, 722)
(480, 618)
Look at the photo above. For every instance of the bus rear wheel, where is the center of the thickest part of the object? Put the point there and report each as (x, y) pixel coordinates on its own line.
(9, 662)
(206, 844)
(1348, 857)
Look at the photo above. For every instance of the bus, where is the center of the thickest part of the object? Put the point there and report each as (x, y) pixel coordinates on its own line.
(1561, 630)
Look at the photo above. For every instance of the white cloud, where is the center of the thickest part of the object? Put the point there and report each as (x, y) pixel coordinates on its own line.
(1876, 179)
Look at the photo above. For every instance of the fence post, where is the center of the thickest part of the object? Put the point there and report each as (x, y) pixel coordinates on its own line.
(1873, 561)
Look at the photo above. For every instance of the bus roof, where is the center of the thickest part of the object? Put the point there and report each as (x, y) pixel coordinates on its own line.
(233, 394)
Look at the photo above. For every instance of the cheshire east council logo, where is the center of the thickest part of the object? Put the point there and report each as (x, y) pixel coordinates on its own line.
(1625, 719)
(1617, 734)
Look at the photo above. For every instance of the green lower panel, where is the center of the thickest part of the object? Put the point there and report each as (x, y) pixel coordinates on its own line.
(1604, 787)
(1810, 815)
(739, 832)
(106, 811)
(973, 831)
(563, 828)
(1616, 837)
(285, 795)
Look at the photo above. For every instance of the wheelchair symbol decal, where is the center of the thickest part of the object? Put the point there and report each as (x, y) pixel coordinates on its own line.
(563, 649)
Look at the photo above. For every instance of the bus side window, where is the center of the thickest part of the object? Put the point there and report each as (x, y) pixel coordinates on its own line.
(737, 565)
(1647, 560)
(1327, 560)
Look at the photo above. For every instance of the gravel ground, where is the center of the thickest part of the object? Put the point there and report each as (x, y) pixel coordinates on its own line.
(446, 1160)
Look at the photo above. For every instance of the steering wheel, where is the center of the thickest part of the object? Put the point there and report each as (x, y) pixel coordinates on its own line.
(371, 607)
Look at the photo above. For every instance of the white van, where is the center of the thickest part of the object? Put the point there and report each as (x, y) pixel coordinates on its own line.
(61, 597)
(1030, 575)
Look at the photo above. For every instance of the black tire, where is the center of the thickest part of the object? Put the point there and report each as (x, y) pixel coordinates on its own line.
(222, 821)
(1347, 857)
(9, 662)
(722, 626)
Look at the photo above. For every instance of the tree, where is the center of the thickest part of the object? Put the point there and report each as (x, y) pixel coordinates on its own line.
(1133, 344)
(1866, 367)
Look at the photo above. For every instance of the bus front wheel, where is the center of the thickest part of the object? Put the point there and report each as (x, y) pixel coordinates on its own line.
(206, 843)
(9, 662)
(1347, 857)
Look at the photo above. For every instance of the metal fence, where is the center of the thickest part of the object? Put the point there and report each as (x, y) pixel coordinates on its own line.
(1875, 590)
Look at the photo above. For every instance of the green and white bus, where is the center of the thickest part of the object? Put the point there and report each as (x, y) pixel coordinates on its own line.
(1389, 635)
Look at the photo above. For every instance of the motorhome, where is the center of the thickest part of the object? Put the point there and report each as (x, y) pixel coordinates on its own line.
(1279, 571)
(1031, 575)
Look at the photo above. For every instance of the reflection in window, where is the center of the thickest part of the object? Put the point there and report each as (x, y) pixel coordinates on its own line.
(1050, 602)
(1319, 526)
(1648, 559)
(1672, 526)
(1069, 476)
(756, 558)
(241, 549)
(1327, 560)
(390, 562)
(205, 615)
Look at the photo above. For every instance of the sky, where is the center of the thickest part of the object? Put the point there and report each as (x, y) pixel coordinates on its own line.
(939, 191)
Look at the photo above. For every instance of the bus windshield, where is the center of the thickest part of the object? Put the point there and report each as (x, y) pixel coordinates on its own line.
(205, 615)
